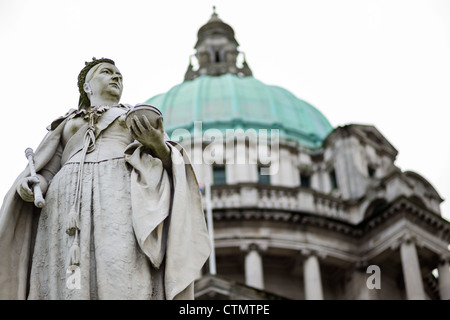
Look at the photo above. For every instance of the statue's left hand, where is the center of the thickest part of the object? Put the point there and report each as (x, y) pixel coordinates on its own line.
(151, 137)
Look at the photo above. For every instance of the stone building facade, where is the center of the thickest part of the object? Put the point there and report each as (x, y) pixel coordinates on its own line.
(301, 210)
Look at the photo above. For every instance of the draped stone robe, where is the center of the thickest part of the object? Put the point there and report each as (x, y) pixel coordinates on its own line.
(142, 229)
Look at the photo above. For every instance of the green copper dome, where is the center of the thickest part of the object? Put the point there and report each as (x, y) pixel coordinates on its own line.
(232, 102)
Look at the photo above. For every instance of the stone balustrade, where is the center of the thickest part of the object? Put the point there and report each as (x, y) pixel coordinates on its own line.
(276, 197)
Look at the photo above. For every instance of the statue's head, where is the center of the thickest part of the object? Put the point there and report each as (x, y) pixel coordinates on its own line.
(99, 80)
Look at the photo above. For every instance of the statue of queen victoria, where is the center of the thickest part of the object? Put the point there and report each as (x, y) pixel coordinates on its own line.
(122, 217)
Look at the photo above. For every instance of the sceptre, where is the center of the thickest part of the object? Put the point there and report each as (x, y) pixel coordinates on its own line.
(38, 198)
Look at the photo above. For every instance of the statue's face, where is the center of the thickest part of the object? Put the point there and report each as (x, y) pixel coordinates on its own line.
(105, 82)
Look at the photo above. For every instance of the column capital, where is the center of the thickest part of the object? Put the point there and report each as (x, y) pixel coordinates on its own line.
(311, 252)
(252, 246)
(406, 238)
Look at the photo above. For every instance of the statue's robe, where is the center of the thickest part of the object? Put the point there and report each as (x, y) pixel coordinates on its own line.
(166, 218)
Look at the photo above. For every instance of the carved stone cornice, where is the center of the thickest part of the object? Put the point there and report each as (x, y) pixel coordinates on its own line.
(401, 207)
(406, 238)
(412, 211)
(366, 134)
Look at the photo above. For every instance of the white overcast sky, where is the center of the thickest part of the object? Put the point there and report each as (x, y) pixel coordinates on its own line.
(385, 63)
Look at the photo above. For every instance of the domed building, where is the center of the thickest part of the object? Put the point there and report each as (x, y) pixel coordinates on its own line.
(299, 209)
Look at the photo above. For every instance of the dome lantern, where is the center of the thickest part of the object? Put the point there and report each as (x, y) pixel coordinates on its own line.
(216, 51)
(221, 95)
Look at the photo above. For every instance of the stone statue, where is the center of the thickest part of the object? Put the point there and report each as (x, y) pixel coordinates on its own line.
(122, 217)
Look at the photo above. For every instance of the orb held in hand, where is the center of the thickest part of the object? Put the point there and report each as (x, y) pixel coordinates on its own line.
(150, 112)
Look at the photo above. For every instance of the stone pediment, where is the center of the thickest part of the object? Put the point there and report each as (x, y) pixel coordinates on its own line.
(430, 191)
(366, 134)
(413, 186)
(218, 288)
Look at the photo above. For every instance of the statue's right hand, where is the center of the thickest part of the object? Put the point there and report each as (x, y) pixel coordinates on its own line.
(25, 188)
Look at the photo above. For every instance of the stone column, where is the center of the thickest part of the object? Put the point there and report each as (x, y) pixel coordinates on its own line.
(312, 278)
(254, 275)
(411, 270)
(444, 279)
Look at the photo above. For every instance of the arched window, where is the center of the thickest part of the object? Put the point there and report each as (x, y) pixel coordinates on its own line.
(217, 56)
